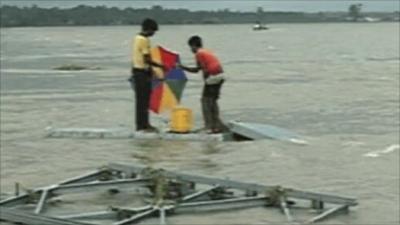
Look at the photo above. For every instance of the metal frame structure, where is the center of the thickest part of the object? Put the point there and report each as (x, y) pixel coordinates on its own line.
(169, 193)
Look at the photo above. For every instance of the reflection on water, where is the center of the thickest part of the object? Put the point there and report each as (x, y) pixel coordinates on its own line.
(193, 156)
(211, 148)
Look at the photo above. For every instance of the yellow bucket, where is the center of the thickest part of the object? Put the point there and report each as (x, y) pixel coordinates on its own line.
(181, 120)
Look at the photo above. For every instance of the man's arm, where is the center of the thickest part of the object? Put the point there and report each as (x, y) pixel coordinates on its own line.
(190, 69)
(148, 60)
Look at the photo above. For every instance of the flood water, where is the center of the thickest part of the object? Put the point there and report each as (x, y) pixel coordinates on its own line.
(337, 85)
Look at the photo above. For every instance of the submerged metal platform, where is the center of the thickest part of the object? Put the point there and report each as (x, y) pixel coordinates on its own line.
(168, 193)
(237, 131)
(258, 131)
(124, 132)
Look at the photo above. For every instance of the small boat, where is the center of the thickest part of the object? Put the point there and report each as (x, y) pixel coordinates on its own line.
(260, 26)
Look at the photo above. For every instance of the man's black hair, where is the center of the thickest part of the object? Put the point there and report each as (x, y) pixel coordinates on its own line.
(195, 41)
(149, 24)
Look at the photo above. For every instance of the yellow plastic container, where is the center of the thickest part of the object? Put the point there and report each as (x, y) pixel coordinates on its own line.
(181, 120)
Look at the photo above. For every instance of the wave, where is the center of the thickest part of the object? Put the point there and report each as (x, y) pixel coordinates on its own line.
(288, 61)
(383, 59)
(41, 71)
(68, 55)
(378, 153)
(281, 61)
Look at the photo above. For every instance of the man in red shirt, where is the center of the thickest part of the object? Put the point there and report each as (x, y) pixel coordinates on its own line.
(212, 70)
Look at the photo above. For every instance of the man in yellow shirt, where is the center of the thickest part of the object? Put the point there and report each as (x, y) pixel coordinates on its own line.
(142, 75)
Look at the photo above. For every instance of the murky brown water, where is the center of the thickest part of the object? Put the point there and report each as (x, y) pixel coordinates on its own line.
(335, 84)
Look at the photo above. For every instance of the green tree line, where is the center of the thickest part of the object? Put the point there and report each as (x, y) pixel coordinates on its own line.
(12, 16)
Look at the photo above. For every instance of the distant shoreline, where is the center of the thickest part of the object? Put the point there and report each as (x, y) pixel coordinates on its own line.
(233, 24)
(82, 15)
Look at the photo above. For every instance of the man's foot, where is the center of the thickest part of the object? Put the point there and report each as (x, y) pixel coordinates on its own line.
(201, 130)
(214, 131)
(147, 130)
(209, 131)
(150, 128)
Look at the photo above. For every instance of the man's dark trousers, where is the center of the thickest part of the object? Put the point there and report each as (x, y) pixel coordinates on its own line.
(142, 87)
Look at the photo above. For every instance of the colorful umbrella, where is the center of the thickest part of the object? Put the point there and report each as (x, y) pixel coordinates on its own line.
(167, 85)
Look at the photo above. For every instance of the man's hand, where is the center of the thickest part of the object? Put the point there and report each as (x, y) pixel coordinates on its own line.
(180, 66)
(158, 77)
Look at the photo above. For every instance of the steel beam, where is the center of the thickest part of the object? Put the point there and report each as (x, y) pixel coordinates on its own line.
(328, 213)
(17, 216)
(21, 199)
(240, 202)
(285, 209)
(100, 185)
(137, 217)
(101, 215)
(162, 216)
(289, 192)
(198, 194)
(41, 202)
